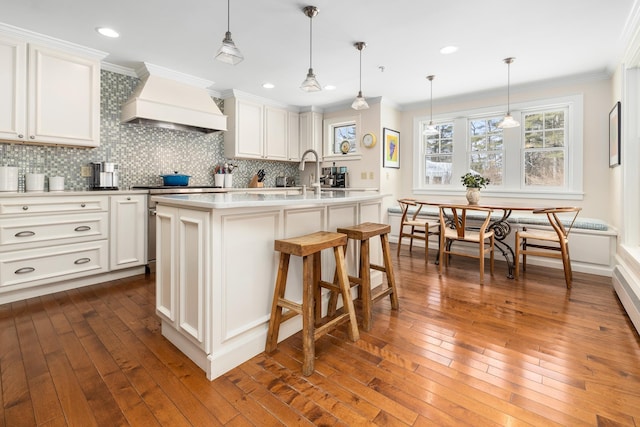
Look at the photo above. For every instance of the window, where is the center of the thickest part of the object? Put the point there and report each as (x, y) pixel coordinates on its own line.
(337, 131)
(545, 148)
(542, 158)
(438, 156)
(486, 148)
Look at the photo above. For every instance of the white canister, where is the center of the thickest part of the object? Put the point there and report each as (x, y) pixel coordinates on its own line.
(228, 180)
(34, 181)
(218, 180)
(56, 183)
(8, 178)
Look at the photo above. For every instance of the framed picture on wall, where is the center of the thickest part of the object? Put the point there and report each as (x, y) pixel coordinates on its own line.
(391, 148)
(614, 136)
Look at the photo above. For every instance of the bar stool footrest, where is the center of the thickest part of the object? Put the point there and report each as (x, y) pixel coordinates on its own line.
(330, 325)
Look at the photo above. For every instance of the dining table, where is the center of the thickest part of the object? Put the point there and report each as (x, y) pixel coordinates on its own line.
(499, 224)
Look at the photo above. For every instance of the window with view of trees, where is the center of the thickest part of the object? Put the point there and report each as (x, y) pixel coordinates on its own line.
(486, 148)
(541, 158)
(438, 156)
(545, 148)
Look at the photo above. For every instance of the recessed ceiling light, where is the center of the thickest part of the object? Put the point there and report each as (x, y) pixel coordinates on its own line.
(448, 49)
(268, 85)
(108, 32)
(329, 87)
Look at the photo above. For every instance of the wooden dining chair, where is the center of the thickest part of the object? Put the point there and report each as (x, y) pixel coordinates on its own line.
(415, 228)
(454, 227)
(552, 244)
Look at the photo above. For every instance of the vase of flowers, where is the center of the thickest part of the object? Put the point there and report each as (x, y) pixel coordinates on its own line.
(474, 182)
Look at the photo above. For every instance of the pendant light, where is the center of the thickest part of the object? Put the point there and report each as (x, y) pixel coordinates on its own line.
(228, 52)
(310, 84)
(431, 129)
(508, 121)
(360, 103)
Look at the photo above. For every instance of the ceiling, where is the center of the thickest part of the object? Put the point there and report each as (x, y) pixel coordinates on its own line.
(548, 38)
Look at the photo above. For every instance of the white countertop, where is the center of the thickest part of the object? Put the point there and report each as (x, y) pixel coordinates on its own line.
(255, 199)
(70, 193)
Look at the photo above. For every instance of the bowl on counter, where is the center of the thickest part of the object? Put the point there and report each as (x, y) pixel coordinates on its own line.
(175, 179)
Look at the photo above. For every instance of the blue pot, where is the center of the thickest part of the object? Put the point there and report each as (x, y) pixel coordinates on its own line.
(176, 179)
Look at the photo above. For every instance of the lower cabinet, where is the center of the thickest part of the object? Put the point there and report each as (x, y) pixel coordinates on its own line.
(51, 243)
(128, 231)
(183, 241)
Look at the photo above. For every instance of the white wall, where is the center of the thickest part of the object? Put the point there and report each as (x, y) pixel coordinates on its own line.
(596, 91)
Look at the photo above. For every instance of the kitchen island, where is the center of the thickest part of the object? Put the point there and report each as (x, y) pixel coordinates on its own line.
(216, 266)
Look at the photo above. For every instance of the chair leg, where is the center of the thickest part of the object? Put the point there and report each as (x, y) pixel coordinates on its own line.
(524, 255)
(308, 324)
(365, 284)
(441, 254)
(343, 281)
(413, 231)
(317, 290)
(482, 262)
(388, 266)
(426, 243)
(516, 258)
(492, 253)
(399, 241)
(276, 309)
(566, 263)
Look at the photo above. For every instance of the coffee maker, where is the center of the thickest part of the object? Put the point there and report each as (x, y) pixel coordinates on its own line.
(104, 176)
(335, 177)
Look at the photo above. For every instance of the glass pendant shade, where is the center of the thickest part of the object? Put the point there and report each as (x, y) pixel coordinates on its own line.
(359, 103)
(310, 84)
(431, 130)
(228, 52)
(508, 121)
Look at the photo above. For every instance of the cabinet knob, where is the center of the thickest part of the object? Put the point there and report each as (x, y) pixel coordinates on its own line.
(128, 198)
(32, 137)
(25, 208)
(20, 136)
(83, 205)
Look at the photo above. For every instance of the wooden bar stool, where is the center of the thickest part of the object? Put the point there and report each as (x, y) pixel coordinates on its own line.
(363, 232)
(309, 247)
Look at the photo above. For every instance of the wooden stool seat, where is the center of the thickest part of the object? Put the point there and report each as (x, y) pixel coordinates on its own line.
(363, 232)
(309, 247)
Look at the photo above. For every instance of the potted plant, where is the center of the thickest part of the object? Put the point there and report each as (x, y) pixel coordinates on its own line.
(474, 181)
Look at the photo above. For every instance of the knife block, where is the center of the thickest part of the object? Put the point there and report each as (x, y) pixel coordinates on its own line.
(254, 182)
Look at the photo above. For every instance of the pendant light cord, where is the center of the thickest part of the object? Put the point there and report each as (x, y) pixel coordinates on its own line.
(228, 15)
(431, 102)
(360, 86)
(310, 42)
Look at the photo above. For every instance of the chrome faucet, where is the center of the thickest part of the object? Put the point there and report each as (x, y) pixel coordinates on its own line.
(316, 184)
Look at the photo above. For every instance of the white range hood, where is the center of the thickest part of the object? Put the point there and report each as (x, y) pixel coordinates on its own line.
(169, 99)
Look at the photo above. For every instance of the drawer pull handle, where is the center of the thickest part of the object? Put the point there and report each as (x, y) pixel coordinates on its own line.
(25, 208)
(82, 261)
(82, 228)
(82, 205)
(25, 234)
(25, 270)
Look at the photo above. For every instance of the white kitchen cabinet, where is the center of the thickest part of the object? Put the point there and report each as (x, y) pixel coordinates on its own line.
(311, 132)
(128, 215)
(294, 137)
(54, 95)
(245, 136)
(183, 270)
(276, 127)
(260, 131)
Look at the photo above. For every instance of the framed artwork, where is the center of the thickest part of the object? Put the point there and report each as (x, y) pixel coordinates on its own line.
(391, 148)
(614, 136)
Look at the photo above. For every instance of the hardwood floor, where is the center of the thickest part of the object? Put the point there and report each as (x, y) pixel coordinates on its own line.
(456, 353)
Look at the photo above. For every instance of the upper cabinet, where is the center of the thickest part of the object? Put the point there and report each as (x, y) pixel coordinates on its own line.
(54, 95)
(311, 132)
(257, 130)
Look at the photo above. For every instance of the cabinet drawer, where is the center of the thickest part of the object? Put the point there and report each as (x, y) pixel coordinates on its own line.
(34, 267)
(35, 205)
(36, 231)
